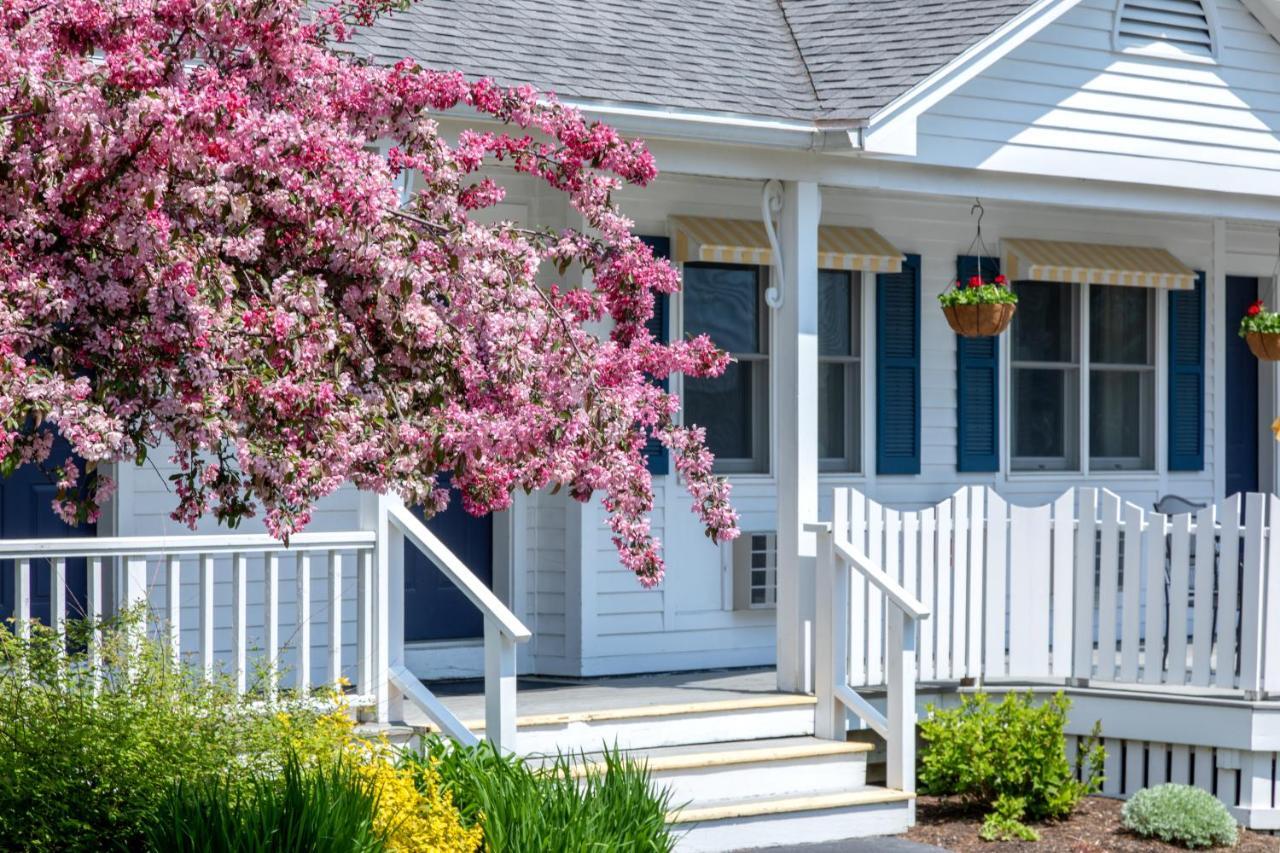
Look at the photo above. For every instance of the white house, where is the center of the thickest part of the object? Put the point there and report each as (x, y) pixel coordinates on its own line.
(825, 167)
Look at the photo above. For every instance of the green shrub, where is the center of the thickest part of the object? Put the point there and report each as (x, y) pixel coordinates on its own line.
(1180, 814)
(531, 809)
(325, 807)
(1010, 757)
(88, 756)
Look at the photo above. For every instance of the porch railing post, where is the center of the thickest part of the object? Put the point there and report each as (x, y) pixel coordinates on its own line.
(831, 637)
(900, 763)
(499, 687)
(1270, 619)
(1082, 598)
(387, 610)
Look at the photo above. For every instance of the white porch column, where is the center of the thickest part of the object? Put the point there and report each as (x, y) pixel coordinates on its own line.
(795, 378)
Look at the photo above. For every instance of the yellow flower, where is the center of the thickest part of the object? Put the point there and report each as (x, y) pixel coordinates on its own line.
(1275, 428)
(416, 820)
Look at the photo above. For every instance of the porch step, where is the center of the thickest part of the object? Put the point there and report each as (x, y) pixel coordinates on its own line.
(703, 773)
(742, 773)
(751, 823)
(778, 715)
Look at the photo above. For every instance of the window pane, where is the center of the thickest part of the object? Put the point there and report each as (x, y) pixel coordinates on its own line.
(1121, 418)
(723, 302)
(831, 413)
(1044, 418)
(1119, 325)
(1042, 326)
(723, 406)
(835, 328)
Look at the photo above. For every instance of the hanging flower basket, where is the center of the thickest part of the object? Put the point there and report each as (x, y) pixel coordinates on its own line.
(1260, 329)
(979, 309)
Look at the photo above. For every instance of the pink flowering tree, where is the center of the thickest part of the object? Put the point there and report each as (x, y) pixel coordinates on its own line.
(201, 248)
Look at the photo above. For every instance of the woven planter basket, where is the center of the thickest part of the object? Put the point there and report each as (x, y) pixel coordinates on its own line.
(983, 320)
(1265, 345)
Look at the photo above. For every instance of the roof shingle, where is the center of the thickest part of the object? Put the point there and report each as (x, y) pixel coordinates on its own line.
(792, 59)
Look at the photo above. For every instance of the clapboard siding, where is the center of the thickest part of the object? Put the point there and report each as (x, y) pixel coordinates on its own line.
(1067, 104)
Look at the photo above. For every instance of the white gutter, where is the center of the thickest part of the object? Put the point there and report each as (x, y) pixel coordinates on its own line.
(723, 128)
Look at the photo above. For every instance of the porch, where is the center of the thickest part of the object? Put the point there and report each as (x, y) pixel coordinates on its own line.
(1160, 627)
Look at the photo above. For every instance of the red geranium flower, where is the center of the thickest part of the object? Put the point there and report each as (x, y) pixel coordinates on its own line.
(975, 281)
(1255, 309)
(1001, 280)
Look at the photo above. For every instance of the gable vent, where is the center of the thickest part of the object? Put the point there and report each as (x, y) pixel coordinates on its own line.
(1186, 25)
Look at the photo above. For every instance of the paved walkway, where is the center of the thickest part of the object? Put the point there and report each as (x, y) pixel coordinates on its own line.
(859, 845)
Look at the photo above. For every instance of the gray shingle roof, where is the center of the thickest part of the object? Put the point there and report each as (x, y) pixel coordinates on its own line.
(795, 59)
(862, 54)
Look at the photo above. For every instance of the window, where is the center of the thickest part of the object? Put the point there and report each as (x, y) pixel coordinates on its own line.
(1053, 347)
(726, 302)
(839, 371)
(1046, 377)
(1122, 378)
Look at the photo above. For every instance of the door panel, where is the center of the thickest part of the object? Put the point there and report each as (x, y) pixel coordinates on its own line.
(435, 609)
(1242, 393)
(26, 512)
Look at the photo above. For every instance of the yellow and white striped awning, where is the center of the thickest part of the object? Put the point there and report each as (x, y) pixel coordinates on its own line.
(1093, 263)
(744, 241)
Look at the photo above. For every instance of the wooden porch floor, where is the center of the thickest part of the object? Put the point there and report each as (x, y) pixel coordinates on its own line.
(543, 695)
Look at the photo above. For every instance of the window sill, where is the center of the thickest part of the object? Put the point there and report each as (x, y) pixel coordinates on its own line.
(1080, 475)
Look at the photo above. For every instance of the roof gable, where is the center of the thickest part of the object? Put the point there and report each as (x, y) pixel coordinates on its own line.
(864, 55)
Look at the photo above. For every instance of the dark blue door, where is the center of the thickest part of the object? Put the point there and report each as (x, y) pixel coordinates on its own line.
(434, 609)
(26, 512)
(1242, 392)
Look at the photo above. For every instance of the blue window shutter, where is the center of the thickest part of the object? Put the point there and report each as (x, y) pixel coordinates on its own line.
(1186, 378)
(898, 370)
(655, 452)
(977, 386)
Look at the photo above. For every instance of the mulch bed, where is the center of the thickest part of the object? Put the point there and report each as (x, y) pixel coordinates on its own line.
(1093, 828)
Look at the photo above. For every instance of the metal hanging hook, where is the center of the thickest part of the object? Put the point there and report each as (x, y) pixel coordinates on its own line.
(978, 242)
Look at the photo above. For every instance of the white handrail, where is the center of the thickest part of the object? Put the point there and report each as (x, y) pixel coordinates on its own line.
(155, 546)
(457, 572)
(836, 559)
(898, 596)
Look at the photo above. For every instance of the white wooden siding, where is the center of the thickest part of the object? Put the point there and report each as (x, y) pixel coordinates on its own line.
(1067, 104)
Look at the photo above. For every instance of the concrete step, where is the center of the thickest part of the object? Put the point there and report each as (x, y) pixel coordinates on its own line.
(773, 767)
(736, 824)
(651, 726)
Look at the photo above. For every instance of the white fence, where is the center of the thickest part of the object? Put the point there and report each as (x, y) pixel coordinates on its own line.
(1089, 587)
(340, 622)
(1165, 628)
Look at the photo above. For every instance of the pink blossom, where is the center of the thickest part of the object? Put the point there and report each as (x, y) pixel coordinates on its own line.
(198, 247)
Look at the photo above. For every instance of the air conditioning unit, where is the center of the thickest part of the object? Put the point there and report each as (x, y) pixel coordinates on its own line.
(755, 571)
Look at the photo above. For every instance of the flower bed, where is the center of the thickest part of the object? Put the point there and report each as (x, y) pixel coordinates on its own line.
(135, 753)
(1094, 827)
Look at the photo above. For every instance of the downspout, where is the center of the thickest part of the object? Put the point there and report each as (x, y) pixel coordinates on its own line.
(771, 206)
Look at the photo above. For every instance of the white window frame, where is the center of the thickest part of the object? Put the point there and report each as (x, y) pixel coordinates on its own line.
(761, 461)
(1159, 322)
(853, 463)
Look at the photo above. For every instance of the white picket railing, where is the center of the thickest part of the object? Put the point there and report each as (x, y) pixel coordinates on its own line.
(1089, 588)
(344, 615)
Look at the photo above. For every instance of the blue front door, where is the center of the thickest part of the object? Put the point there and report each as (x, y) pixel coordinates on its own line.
(1242, 393)
(26, 512)
(435, 609)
